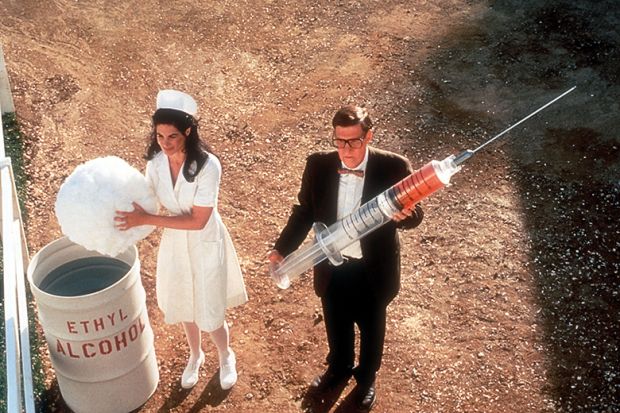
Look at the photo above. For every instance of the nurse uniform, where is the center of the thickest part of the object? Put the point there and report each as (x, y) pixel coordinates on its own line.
(198, 274)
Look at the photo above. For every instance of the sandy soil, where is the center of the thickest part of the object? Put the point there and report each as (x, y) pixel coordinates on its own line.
(510, 297)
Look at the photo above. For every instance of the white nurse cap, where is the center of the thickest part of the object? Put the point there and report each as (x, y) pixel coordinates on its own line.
(173, 99)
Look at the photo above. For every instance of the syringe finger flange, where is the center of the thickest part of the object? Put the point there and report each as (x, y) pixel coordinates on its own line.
(321, 234)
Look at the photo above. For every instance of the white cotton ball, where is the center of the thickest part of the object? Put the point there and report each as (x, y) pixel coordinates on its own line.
(89, 198)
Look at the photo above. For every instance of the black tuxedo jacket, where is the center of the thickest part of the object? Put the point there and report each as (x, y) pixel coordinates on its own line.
(318, 198)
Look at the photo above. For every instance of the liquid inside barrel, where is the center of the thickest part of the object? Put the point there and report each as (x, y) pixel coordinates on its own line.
(84, 276)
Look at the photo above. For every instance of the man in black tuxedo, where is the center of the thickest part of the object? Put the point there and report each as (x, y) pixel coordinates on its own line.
(334, 184)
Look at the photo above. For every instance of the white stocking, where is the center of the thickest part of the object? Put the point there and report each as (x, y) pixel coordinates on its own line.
(192, 333)
(220, 338)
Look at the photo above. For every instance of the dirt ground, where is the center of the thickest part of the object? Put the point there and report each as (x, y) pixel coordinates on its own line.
(510, 295)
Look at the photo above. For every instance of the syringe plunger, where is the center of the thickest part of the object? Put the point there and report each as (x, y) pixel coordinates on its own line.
(328, 242)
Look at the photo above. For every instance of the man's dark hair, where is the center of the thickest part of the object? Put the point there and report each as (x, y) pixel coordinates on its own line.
(351, 115)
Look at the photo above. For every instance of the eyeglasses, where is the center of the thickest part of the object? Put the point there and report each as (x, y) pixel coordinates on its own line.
(353, 143)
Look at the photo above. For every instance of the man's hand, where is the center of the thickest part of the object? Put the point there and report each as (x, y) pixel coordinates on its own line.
(403, 214)
(274, 258)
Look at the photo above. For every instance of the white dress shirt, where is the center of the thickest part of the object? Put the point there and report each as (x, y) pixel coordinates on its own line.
(349, 199)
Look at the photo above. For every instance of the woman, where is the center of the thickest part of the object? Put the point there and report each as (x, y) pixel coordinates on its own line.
(198, 275)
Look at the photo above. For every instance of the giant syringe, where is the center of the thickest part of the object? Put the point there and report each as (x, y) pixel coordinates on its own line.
(328, 242)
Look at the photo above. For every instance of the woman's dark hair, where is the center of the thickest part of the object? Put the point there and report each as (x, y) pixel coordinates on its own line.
(196, 151)
(351, 115)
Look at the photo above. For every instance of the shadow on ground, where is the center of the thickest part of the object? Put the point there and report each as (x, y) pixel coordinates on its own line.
(566, 166)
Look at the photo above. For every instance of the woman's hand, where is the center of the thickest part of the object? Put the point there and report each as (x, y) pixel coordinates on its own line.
(129, 219)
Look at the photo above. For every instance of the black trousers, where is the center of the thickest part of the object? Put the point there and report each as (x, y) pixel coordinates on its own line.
(348, 301)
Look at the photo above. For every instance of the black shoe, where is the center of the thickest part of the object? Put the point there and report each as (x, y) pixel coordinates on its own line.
(329, 380)
(366, 397)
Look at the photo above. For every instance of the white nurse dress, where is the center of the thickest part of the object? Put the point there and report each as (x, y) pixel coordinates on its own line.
(198, 274)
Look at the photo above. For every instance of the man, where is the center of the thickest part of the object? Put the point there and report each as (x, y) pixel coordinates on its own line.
(334, 184)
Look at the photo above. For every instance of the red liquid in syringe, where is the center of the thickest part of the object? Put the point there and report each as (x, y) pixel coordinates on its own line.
(417, 186)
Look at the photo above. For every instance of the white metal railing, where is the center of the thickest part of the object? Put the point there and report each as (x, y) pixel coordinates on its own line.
(6, 99)
(15, 258)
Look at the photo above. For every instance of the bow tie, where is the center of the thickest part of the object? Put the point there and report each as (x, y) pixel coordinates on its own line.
(359, 174)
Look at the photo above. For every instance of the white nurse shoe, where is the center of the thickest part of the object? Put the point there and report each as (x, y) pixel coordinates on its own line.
(190, 374)
(228, 371)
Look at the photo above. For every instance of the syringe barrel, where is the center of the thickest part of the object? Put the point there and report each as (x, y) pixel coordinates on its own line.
(328, 242)
(296, 263)
(373, 214)
(360, 222)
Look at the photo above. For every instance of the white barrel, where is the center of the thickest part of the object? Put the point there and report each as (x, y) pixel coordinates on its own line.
(96, 326)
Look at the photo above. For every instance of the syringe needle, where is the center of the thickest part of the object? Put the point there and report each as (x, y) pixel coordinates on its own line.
(524, 119)
(468, 153)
